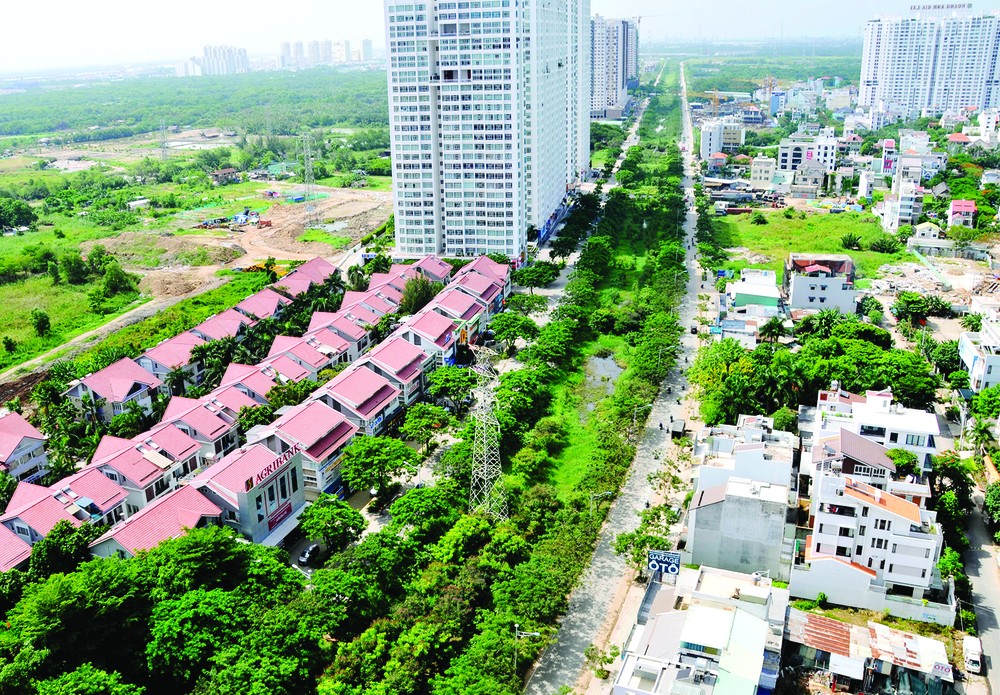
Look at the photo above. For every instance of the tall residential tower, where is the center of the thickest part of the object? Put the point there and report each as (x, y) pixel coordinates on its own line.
(934, 59)
(488, 119)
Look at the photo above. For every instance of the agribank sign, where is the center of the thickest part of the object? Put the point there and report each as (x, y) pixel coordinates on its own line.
(270, 468)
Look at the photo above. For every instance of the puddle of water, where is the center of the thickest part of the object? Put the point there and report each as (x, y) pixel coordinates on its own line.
(602, 373)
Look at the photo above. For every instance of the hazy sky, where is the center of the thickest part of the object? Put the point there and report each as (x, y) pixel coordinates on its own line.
(62, 33)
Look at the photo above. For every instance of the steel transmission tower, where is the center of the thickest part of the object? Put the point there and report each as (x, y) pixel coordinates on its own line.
(163, 140)
(308, 179)
(488, 493)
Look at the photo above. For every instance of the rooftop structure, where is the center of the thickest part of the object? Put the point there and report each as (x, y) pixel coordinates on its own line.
(820, 282)
(112, 388)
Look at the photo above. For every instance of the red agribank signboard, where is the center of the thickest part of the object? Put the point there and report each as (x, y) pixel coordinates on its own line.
(270, 468)
(280, 515)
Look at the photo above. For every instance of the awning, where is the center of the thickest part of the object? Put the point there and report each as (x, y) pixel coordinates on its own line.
(846, 666)
(284, 528)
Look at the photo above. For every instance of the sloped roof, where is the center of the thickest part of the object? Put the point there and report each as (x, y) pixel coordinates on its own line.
(263, 304)
(883, 500)
(286, 367)
(864, 450)
(205, 419)
(456, 304)
(434, 326)
(361, 390)
(434, 267)
(229, 476)
(293, 284)
(479, 286)
(125, 457)
(175, 352)
(91, 484)
(484, 265)
(249, 376)
(959, 138)
(398, 357)
(316, 427)
(963, 206)
(232, 398)
(38, 508)
(178, 445)
(114, 383)
(225, 325)
(162, 520)
(13, 549)
(13, 430)
(318, 270)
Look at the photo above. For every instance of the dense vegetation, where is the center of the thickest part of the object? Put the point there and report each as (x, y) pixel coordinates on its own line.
(746, 74)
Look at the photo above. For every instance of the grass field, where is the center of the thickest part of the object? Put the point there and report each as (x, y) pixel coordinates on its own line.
(817, 233)
(601, 158)
(68, 309)
(324, 237)
(375, 183)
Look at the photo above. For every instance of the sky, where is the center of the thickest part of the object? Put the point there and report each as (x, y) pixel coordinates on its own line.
(71, 33)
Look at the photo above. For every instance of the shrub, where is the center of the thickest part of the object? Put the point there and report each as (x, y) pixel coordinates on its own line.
(758, 218)
(884, 244)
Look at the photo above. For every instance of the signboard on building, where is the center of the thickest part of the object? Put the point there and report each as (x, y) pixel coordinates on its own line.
(665, 561)
(280, 515)
(270, 468)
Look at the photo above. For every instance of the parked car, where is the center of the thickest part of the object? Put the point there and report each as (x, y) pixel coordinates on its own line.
(309, 555)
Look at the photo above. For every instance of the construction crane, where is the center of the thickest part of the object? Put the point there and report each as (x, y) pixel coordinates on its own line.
(638, 19)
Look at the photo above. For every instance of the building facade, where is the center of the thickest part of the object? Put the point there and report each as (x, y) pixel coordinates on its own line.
(488, 120)
(933, 59)
(820, 282)
(608, 66)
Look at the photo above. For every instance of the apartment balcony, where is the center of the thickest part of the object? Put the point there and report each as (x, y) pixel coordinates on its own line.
(838, 510)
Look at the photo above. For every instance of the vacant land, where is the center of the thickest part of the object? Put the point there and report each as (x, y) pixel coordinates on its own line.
(768, 245)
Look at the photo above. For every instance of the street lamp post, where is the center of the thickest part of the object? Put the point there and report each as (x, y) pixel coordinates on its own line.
(636, 410)
(597, 495)
(518, 635)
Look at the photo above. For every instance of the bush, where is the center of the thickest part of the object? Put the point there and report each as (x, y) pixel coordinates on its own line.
(884, 244)
(758, 218)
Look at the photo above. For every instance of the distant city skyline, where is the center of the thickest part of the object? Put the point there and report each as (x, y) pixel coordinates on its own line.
(73, 34)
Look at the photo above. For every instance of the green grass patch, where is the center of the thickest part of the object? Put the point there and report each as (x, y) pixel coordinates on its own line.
(324, 237)
(601, 158)
(817, 233)
(375, 183)
(68, 309)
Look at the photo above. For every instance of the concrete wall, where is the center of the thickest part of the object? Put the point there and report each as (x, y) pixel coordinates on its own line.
(740, 534)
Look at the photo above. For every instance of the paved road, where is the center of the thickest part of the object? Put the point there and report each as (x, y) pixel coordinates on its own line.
(981, 567)
(590, 603)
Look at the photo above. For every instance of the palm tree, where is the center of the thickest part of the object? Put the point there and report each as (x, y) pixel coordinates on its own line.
(821, 324)
(982, 435)
(357, 279)
(176, 380)
(772, 330)
(972, 322)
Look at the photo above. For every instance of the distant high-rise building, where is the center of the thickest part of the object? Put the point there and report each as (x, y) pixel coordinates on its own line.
(609, 66)
(285, 59)
(314, 53)
(367, 53)
(326, 52)
(485, 141)
(298, 54)
(217, 60)
(934, 59)
(631, 53)
(341, 51)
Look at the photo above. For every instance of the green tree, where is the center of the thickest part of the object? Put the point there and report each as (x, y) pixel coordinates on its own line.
(758, 218)
(959, 379)
(334, 521)
(40, 322)
(944, 356)
(951, 473)
(290, 393)
(53, 271)
(117, 281)
(540, 274)
(417, 293)
(9, 345)
(772, 330)
(73, 268)
(452, 383)
(991, 503)
(986, 403)
(508, 327)
(527, 304)
(911, 306)
(372, 462)
(905, 461)
(423, 421)
(87, 680)
(786, 420)
(856, 330)
(62, 549)
(820, 325)
(972, 322)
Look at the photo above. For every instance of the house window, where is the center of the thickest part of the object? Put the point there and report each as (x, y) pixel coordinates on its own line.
(915, 439)
(923, 574)
(823, 287)
(894, 437)
(21, 531)
(890, 567)
(295, 481)
(861, 531)
(822, 300)
(260, 508)
(858, 550)
(927, 553)
(864, 511)
(881, 565)
(812, 299)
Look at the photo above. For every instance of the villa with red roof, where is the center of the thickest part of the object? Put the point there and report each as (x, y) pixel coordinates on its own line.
(293, 284)
(357, 337)
(284, 368)
(309, 352)
(173, 353)
(84, 497)
(14, 550)
(433, 333)
(22, 449)
(499, 273)
(313, 272)
(321, 433)
(393, 282)
(112, 388)
(962, 213)
(263, 305)
(371, 301)
(483, 289)
(252, 380)
(228, 324)
(209, 423)
(403, 364)
(434, 269)
(167, 518)
(467, 312)
(820, 282)
(260, 493)
(368, 400)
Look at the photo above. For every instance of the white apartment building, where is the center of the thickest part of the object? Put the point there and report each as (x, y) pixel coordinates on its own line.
(721, 135)
(762, 172)
(933, 59)
(798, 149)
(980, 355)
(608, 66)
(488, 120)
(871, 549)
(632, 53)
(820, 282)
(903, 206)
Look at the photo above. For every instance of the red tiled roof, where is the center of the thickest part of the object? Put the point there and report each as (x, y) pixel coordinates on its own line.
(478, 286)
(328, 340)
(171, 440)
(13, 549)
(316, 427)
(13, 430)
(317, 270)
(91, 484)
(175, 352)
(434, 326)
(362, 390)
(232, 398)
(456, 304)
(162, 520)
(435, 268)
(293, 284)
(114, 383)
(963, 206)
(125, 458)
(885, 501)
(250, 377)
(224, 325)
(263, 304)
(287, 367)
(344, 326)
(399, 357)
(198, 416)
(361, 315)
(321, 319)
(959, 137)
(38, 508)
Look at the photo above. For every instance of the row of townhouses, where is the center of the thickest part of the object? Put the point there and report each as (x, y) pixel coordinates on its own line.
(190, 469)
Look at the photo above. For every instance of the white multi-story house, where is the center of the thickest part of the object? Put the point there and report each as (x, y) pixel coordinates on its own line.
(721, 135)
(980, 355)
(820, 282)
(871, 549)
(489, 120)
(608, 66)
(762, 172)
(903, 206)
(938, 58)
(797, 149)
(22, 448)
(875, 417)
